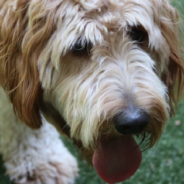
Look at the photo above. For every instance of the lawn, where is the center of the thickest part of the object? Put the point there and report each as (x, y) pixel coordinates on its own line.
(163, 164)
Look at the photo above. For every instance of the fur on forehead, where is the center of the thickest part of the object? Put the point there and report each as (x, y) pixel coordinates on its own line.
(94, 20)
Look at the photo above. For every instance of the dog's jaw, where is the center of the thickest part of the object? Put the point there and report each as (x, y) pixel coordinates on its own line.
(115, 159)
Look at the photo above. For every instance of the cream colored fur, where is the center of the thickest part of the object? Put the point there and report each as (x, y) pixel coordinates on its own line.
(81, 93)
(33, 157)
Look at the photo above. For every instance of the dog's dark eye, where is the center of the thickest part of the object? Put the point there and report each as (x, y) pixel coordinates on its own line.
(138, 34)
(81, 48)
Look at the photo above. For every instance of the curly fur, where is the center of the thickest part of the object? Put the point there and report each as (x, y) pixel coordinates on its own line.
(81, 94)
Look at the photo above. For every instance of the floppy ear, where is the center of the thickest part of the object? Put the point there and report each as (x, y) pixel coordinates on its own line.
(19, 75)
(22, 37)
(173, 77)
(22, 86)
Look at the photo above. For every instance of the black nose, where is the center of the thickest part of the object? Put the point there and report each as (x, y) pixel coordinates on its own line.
(131, 122)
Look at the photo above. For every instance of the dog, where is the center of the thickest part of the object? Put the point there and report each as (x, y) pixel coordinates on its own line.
(100, 72)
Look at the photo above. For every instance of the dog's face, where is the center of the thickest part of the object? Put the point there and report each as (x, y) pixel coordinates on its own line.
(98, 70)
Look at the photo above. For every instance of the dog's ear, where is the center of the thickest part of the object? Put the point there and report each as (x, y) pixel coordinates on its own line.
(173, 77)
(22, 38)
(22, 86)
(19, 77)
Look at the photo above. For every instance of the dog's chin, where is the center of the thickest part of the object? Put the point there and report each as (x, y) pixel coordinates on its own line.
(114, 158)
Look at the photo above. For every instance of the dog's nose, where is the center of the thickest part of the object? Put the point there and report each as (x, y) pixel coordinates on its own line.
(131, 122)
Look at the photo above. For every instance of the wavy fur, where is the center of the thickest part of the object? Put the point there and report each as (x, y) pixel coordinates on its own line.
(81, 94)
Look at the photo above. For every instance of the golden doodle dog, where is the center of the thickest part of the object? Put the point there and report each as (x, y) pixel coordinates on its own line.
(101, 71)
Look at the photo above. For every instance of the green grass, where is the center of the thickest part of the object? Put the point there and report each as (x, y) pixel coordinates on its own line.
(163, 164)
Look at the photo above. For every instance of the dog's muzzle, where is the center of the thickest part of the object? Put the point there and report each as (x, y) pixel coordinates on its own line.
(131, 122)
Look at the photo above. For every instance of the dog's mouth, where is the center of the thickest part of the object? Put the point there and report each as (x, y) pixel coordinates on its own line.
(117, 160)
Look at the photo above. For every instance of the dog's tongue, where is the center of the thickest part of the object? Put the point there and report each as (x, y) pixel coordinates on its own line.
(117, 160)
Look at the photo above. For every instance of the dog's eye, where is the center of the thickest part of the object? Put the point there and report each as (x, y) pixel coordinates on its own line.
(81, 48)
(138, 34)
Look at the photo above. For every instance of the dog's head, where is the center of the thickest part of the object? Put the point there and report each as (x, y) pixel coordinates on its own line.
(100, 71)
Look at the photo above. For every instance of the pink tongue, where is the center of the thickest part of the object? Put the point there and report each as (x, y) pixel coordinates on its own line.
(117, 160)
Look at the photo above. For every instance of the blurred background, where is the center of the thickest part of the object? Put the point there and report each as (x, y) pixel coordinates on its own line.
(162, 164)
